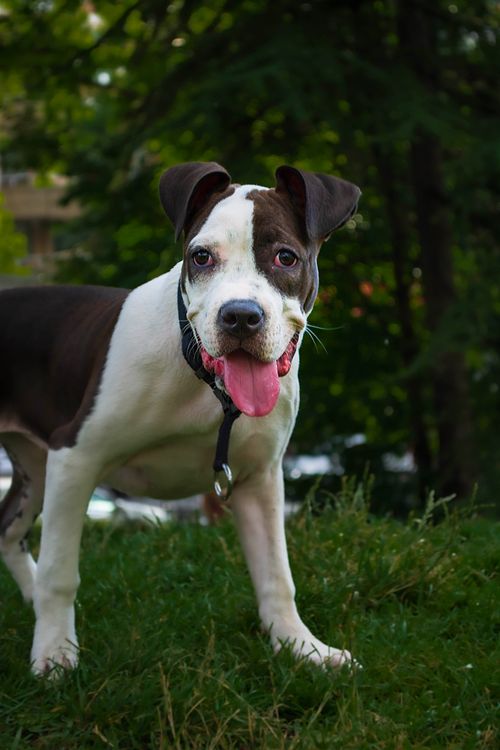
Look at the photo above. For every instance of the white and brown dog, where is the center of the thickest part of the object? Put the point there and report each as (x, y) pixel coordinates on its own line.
(94, 387)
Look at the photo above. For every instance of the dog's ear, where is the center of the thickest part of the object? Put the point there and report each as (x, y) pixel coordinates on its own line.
(185, 189)
(324, 203)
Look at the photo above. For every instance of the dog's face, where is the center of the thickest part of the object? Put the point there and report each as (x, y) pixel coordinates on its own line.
(249, 274)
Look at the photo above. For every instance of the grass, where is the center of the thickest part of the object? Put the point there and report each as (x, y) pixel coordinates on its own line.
(172, 656)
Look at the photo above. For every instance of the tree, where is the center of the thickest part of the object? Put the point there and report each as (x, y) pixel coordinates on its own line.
(398, 97)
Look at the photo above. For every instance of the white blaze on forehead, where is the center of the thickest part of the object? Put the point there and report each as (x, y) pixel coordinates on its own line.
(230, 223)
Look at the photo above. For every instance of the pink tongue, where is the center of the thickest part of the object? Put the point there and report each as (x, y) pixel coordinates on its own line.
(253, 385)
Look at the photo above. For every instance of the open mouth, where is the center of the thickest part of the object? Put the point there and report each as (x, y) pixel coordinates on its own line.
(252, 384)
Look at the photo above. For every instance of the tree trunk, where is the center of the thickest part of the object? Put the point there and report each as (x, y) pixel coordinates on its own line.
(449, 376)
(409, 347)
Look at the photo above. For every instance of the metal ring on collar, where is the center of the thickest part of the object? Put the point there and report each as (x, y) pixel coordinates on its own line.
(223, 492)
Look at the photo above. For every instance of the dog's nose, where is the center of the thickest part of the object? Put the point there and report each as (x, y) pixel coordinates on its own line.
(241, 318)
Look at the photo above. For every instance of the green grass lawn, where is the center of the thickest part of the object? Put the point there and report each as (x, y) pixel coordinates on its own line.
(172, 656)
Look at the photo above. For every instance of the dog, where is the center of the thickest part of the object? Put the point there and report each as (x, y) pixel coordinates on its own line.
(101, 385)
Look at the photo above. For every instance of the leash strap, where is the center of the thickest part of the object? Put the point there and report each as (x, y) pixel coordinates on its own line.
(191, 352)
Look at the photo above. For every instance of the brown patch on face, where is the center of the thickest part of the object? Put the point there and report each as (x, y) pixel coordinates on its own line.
(189, 270)
(277, 226)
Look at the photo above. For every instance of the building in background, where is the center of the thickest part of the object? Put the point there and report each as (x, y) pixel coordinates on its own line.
(39, 214)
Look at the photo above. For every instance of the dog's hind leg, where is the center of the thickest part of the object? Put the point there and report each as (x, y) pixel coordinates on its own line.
(20, 507)
(71, 477)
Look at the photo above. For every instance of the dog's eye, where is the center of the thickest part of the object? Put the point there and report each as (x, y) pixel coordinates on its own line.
(202, 258)
(285, 258)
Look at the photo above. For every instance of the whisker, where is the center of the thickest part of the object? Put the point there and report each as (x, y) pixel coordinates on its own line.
(325, 328)
(194, 346)
(188, 327)
(191, 350)
(315, 339)
(320, 342)
(195, 343)
(314, 342)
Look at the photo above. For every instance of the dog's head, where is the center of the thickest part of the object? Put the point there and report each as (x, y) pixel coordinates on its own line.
(250, 273)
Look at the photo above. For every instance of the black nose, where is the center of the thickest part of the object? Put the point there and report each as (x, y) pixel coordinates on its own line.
(241, 318)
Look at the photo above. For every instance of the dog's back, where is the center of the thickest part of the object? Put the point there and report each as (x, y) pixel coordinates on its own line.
(43, 390)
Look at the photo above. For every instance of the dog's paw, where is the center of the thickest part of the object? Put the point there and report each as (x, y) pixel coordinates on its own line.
(330, 658)
(315, 652)
(53, 661)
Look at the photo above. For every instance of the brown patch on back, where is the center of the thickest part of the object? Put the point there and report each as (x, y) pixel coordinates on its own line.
(54, 342)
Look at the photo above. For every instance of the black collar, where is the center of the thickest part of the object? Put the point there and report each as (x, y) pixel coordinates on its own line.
(191, 352)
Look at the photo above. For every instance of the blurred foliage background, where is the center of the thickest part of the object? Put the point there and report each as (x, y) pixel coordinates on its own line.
(398, 96)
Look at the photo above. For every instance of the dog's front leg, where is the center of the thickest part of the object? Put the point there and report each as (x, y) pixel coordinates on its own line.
(69, 483)
(258, 506)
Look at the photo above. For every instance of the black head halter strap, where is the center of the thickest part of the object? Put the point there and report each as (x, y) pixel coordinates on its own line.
(191, 352)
